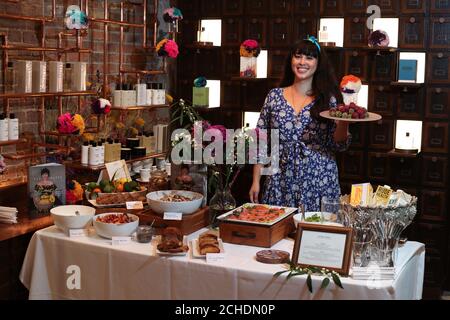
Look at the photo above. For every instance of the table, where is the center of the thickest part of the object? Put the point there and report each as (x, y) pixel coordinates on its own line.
(135, 271)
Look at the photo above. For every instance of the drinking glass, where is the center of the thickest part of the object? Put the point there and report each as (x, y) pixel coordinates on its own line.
(330, 210)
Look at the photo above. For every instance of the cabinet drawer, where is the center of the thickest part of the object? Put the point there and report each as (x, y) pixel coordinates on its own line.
(440, 32)
(413, 6)
(382, 100)
(378, 166)
(277, 62)
(233, 7)
(280, 32)
(255, 28)
(438, 103)
(232, 31)
(230, 66)
(352, 165)
(281, 7)
(358, 132)
(356, 64)
(306, 6)
(440, 6)
(383, 67)
(435, 137)
(433, 205)
(434, 171)
(410, 104)
(381, 133)
(438, 67)
(231, 94)
(412, 32)
(404, 170)
(331, 8)
(253, 7)
(356, 33)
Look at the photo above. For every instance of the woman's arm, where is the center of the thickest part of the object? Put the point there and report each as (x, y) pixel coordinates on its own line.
(341, 133)
(254, 190)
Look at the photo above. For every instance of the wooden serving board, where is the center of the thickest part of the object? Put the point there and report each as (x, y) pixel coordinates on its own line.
(256, 235)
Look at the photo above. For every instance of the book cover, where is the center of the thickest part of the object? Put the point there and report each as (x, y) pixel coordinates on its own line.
(48, 181)
(407, 71)
(190, 177)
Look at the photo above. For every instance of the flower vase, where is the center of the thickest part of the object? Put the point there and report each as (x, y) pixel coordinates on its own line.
(173, 26)
(248, 67)
(222, 202)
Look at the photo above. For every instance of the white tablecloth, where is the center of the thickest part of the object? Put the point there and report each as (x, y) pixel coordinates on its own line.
(135, 271)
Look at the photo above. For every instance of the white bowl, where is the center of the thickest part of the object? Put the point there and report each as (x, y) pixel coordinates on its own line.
(184, 207)
(109, 230)
(327, 215)
(65, 217)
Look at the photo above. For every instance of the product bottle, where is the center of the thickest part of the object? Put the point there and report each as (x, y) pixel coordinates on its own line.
(161, 94)
(93, 154)
(323, 34)
(39, 76)
(149, 92)
(117, 150)
(79, 76)
(101, 153)
(109, 151)
(4, 131)
(85, 153)
(151, 148)
(56, 76)
(68, 77)
(10, 77)
(141, 94)
(154, 90)
(24, 76)
(128, 96)
(13, 127)
(117, 98)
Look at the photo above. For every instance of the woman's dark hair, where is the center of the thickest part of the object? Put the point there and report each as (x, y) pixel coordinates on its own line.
(324, 84)
(45, 170)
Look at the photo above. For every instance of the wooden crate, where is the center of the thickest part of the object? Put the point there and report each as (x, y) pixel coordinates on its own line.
(189, 224)
(256, 235)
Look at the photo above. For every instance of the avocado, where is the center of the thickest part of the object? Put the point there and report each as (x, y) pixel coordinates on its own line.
(134, 185)
(104, 183)
(108, 189)
(92, 185)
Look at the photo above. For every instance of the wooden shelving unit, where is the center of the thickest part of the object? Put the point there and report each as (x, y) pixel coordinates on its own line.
(137, 108)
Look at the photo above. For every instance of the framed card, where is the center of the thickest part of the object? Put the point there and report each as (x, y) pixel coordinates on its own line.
(323, 246)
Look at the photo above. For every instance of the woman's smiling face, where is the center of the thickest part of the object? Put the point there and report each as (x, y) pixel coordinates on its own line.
(303, 66)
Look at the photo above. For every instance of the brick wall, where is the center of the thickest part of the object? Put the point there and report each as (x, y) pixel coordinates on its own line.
(26, 33)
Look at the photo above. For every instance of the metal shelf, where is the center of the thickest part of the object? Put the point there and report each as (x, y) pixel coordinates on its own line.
(134, 108)
(46, 94)
(12, 142)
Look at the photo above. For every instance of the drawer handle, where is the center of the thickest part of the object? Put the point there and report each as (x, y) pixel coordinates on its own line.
(247, 235)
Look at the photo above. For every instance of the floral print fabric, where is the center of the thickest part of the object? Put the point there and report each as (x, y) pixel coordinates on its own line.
(307, 166)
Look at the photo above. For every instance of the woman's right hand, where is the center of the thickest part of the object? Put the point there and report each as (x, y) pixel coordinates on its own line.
(254, 193)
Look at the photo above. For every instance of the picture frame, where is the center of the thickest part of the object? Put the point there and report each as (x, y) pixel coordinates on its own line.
(336, 241)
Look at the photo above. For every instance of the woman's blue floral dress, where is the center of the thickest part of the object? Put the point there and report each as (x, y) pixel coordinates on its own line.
(307, 165)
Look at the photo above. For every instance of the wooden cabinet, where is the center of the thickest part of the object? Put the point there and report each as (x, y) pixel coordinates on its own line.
(382, 100)
(187, 60)
(435, 137)
(388, 7)
(230, 65)
(383, 67)
(433, 205)
(211, 8)
(280, 32)
(356, 32)
(256, 28)
(306, 6)
(277, 62)
(208, 62)
(412, 32)
(413, 6)
(281, 7)
(381, 134)
(378, 167)
(189, 8)
(438, 103)
(438, 67)
(331, 8)
(231, 94)
(231, 32)
(188, 31)
(304, 26)
(440, 32)
(440, 6)
(356, 6)
(257, 7)
(434, 171)
(404, 171)
(184, 89)
(356, 63)
(410, 104)
(253, 94)
(233, 7)
(352, 165)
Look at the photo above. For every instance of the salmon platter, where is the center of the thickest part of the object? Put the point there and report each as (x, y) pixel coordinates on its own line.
(257, 214)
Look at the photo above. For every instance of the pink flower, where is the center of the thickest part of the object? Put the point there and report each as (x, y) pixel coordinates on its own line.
(64, 124)
(251, 44)
(171, 48)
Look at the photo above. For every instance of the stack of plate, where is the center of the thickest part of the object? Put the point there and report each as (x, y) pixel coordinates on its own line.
(8, 215)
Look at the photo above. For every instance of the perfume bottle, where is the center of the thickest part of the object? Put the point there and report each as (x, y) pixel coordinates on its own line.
(409, 141)
(68, 77)
(10, 77)
(13, 127)
(323, 34)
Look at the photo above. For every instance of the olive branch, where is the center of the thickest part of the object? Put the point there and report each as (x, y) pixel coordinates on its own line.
(328, 275)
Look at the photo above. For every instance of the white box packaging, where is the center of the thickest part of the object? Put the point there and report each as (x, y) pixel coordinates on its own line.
(79, 71)
(56, 76)
(24, 76)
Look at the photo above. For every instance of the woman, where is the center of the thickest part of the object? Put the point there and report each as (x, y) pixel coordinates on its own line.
(307, 165)
(45, 185)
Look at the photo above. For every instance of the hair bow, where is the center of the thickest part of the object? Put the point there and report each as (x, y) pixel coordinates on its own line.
(313, 40)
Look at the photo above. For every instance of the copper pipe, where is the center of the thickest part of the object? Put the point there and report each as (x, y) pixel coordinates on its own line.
(121, 45)
(4, 68)
(39, 19)
(150, 72)
(48, 94)
(124, 24)
(105, 50)
(41, 49)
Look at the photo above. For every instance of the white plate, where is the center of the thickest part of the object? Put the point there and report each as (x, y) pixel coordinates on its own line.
(196, 249)
(287, 212)
(139, 180)
(372, 117)
(170, 254)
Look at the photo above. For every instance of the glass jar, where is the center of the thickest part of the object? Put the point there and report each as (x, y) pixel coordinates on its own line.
(144, 234)
(222, 202)
(159, 180)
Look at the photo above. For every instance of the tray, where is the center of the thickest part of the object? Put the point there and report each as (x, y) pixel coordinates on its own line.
(372, 117)
(196, 251)
(288, 211)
